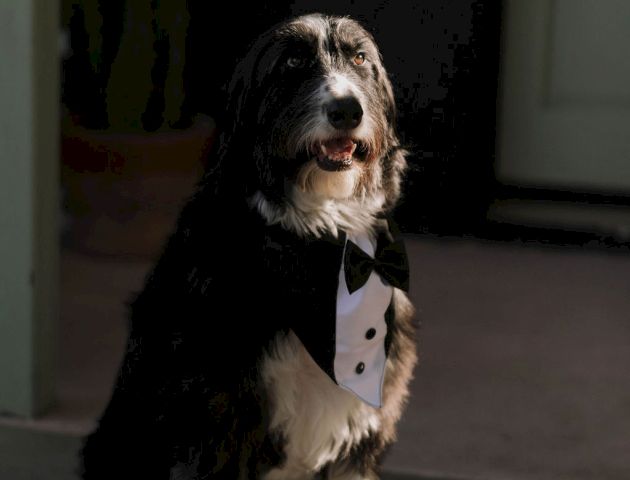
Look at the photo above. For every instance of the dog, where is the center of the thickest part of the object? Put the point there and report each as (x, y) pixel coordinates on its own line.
(252, 352)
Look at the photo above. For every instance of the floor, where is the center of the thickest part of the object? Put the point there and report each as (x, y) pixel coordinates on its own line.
(29, 455)
(524, 372)
(525, 363)
(604, 220)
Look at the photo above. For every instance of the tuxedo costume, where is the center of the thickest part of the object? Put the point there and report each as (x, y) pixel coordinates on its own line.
(209, 311)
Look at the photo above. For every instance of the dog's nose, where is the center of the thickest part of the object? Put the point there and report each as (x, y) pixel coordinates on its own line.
(344, 113)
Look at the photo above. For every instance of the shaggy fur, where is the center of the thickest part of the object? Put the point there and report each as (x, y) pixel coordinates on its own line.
(214, 383)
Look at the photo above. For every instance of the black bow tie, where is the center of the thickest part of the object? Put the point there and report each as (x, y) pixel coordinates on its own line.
(390, 262)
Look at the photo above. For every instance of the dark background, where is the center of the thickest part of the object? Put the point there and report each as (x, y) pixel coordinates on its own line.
(442, 58)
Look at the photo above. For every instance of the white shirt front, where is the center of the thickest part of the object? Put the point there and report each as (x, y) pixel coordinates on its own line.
(360, 351)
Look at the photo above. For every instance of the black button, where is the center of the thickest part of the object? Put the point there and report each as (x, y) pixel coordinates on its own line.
(370, 333)
(360, 368)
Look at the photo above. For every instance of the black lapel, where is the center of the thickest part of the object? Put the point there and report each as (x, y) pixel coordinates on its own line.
(303, 284)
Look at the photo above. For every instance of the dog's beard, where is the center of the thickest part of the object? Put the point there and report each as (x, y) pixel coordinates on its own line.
(334, 185)
(334, 167)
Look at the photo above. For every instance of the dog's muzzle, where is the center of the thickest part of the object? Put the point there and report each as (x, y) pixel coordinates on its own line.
(337, 153)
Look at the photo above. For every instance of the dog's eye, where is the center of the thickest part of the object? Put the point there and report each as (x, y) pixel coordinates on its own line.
(359, 58)
(296, 62)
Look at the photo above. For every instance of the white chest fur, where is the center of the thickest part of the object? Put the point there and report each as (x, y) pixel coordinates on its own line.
(318, 418)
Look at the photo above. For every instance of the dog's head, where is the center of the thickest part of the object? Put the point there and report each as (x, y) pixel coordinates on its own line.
(311, 126)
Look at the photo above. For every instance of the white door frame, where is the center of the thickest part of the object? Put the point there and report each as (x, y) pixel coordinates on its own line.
(29, 206)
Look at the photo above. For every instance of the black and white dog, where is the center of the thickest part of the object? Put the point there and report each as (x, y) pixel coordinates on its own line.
(273, 339)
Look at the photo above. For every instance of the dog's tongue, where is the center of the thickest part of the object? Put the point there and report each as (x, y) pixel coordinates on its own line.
(336, 155)
(338, 148)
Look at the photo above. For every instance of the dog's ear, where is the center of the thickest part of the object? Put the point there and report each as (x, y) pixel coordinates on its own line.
(394, 161)
(245, 150)
(230, 168)
(386, 91)
(249, 75)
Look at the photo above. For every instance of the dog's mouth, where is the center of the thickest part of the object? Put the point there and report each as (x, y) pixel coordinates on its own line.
(338, 154)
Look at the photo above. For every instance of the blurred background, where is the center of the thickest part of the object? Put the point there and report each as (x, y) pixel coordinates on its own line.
(516, 210)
